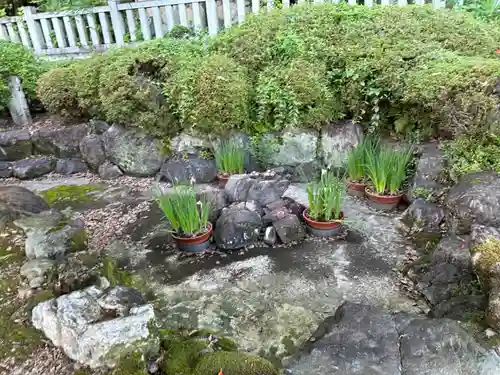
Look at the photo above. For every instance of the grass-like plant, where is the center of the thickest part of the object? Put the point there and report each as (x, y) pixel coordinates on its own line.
(386, 168)
(230, 158)
(326, 197)
(187, 215)
(356, 159)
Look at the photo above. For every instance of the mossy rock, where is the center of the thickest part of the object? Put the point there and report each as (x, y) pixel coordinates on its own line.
(488, 255)
(182, 354)
(74, 196)
(234, 363)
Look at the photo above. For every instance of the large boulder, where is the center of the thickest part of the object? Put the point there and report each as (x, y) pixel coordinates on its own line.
(236, 228)
(71, 166)
(427, 180)
(95, 327)
(21, 200)
(422, 221)
(474, 200)
(32, 168)
(52, 235)
(337, 140)
(179, 169)
(185, 143)
(362, 340)
(136, 153)
(92, 150)
(267, 191)
(15, 145)
(289, 229)
(61, 141)
(109, 171)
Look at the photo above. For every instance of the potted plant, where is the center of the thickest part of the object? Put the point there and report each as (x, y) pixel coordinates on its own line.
(386, 171)
(324, 216)
(188, 218)
(355, 167)
(230, 159)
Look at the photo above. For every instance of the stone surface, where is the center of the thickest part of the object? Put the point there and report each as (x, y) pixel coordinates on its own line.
(16, 201)
(237, 187)
(92, 150)
(51, 235)
(186, 169)
(185, 143)
(15, 145)
(361, 339)
(422, 221)
(109, 171)
(337, 140)
(289, 229)
(73, 274)
(91, 335)
(136, 153)
(121, 300)
(270, 236)
(267, 191)
(426, 182)
(35, 270)
(237, 228)
(32, 168)
(98, 126)
(61, 141)
(475, 199)
(217, 199)
(71, 166)
(5, 169)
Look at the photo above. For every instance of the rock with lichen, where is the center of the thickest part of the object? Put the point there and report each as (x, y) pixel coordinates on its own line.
(17, 201)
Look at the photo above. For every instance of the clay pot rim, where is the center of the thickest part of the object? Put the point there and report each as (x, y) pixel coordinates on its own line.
(382, 198)
(322, 224)
(196, 239)
(223, 176)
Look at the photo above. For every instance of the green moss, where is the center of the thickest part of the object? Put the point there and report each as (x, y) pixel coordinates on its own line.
(70, 195)
(132, 364)
(114, 274)
(181, 354)
(233, 363)
(490, 255)
(79, 241)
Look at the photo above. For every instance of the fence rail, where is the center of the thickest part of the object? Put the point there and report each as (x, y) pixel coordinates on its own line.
(80, 32)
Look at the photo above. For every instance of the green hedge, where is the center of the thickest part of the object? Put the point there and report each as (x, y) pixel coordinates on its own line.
(412, 70)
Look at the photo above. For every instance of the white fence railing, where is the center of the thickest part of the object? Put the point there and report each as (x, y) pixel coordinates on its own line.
(79, 32)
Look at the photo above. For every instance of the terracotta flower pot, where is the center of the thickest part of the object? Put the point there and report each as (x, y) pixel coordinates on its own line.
(223, 178)
(356, 189)
(323, 228)
(383, 202)
(194, 244)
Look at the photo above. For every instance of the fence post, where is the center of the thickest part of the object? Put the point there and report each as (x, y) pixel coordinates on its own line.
(35, 36)
(18, 105)
(212, 21)
(117, 22)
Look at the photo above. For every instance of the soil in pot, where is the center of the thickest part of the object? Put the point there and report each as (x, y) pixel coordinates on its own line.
(383, 202)
(356, 189)
(194, 244)
(323, 228)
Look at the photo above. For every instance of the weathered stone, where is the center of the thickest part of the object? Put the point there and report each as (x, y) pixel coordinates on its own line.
(267, 191)
(185, 143)
(87, 334)
(15, 145)
(276, 214)
(297, 194)
(61, 141)
(51, 235)
(136, 153)
(361, 339)
(32, 168)
(92, 151)
(270, 236)
(121, 300)
(422, 221)
(21, 200)
(109, 171)
(98, 126)
(337, 140)
(217, 199)
(237, 228)
(426, 182)
(71, 166)
(474, 200)
(289, 229)
(237, 187)
(35, 270)
(73, 274)
(5, 169)
(186, 169)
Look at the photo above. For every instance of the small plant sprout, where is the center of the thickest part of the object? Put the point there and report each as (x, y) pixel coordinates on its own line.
(230, 158)
(187, 215)
(326, 197)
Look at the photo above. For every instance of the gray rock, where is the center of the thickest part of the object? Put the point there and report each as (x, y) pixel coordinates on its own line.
(61, 141)
(186, 169)
(120, 300)
(32, 168)
(71, 166)
(217, 199)
(266, 192)
(289, 229)
(426, 182)
(276, 211)
(73, 274)
(136, 153)
(21, 200)
(15, 145)
(185, 143)
(78, 325)
(5, 169)
(422, 221)
(237, 187)
(237, 228)
(362, 340)
(270, 236)
(51, 235)
(474, 200)
(109, 171)
(297, 194)
(98, 126)
(337, 140)
(92, 151)
(34, 271)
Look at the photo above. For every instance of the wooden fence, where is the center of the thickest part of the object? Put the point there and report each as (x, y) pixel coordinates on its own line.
(80, 32)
